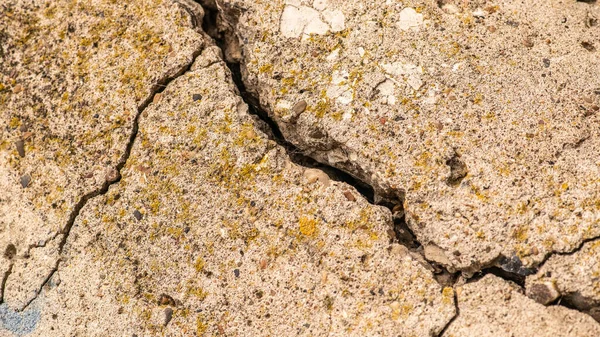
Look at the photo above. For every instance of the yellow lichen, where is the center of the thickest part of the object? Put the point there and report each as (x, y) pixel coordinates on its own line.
(308, 226)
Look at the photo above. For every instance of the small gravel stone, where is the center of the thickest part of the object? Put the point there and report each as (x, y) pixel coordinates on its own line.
(196, 97)
(138, 216)
(157, 98)
(168, 315)
(112, 175)
(10, 251)
(543, 293)
(528, 43)
(314, 175)
(546, 62)
(25, 180)
(299, 107)
(588, 46)
(236, 272)
(349, 196)
(20, 144)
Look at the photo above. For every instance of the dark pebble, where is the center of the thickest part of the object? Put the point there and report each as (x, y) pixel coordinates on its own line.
(546, 62)
(236, 272)
(137, 215)
(168, 315)
(25, 180)
(20, 144)
(588, 46)
(10, 251)
(196, 97)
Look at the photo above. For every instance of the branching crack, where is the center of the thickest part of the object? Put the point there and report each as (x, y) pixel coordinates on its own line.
(157, 88)
(220, 23)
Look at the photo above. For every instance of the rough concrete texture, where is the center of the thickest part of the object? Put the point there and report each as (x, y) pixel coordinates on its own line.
(481, 116)
(494, 307)
(141, 196)
(573, 277)
(212, 226)
(73, 75)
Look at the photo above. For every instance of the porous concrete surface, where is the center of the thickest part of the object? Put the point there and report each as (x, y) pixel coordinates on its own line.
(481, 116)
(72, 77)
(141, 196)
(571, 278)
(212, 221)
(495, 307)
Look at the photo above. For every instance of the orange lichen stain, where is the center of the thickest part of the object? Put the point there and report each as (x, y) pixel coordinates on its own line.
(308, 226)
(199, 264)
(448, 295)
(198, 292)
(520, 233)
(201, 327)
(423, 159)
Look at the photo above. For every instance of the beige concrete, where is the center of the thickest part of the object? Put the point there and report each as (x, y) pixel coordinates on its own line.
(494, 307)
(483, 115)
(212, 223)
(575, 278)
(72, 77)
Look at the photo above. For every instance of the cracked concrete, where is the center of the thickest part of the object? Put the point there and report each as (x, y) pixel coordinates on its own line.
(279, 252)
(509, 88)
(72, 78)
(176, 210)
(494, 307)
(570, 278)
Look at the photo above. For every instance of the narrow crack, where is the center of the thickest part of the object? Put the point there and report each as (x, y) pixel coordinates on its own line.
(4, 279)
(456, 314)
(157, 88)
(43, 284)
(571, 252)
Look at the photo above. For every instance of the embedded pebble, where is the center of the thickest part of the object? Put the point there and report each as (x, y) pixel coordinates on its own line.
(25, 180)
(314, 175)
(20, 145)
(168, 315)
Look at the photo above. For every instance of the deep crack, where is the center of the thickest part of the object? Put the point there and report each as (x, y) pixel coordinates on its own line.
(220, 23)
(402, 233)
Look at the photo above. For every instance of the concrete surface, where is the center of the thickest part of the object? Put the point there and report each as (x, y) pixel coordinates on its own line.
(212, 221)
(142, 197)
(480, 116)
(572, 279)
(494, 307)
(72, 77)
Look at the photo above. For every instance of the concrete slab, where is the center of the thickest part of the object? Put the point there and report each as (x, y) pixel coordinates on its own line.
(571, 279)
(214, 231)
(482, 117)
(73, 75)
(494, 307)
